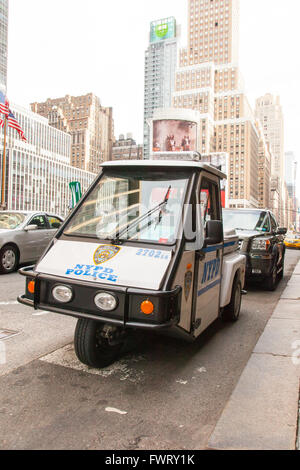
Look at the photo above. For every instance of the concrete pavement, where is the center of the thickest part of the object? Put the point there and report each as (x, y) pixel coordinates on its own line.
(263, 411)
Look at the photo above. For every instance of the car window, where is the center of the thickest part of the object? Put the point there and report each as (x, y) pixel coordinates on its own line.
(209, 201)
(54, 222)
(40, 221)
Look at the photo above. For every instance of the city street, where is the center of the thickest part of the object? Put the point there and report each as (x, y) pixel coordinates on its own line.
(162, 393)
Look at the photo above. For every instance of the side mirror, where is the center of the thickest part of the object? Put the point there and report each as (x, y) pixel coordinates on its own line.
(30, 228)
(214, 232)
(282, 231)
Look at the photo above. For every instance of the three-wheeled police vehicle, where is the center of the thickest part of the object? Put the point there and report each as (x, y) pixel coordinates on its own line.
(144, 249)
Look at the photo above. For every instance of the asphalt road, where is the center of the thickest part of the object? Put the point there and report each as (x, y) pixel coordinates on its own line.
(162, 394)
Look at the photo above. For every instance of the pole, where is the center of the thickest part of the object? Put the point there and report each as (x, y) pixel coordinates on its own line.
(3, 167)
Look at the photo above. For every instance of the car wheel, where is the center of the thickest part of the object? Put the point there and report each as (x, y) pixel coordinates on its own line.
(91, 348)
(8, 259)
(272, 279)
(281, 274)
(232, 310)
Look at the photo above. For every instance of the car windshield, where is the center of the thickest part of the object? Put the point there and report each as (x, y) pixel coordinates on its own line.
(246, 220)
(133, 204)
(11, 220)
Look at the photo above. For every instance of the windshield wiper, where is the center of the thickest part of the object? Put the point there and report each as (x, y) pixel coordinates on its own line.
(117, 238)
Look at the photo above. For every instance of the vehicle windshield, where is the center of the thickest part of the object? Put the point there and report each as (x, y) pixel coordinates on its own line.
(293, 235)
(133, 204)
(246, 220)
(11, 220)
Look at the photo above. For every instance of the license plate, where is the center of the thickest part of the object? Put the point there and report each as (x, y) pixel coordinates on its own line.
(256, 271)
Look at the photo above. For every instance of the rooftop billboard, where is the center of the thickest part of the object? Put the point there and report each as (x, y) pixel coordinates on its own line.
(162, 29)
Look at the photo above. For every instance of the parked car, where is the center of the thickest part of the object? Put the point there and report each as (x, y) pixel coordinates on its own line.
(24, 236)
(292, 240)
(261, 240)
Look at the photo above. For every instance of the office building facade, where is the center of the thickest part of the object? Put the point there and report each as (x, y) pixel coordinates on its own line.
(3, 44)
(38, 172)
(208, 80)
(89, 124)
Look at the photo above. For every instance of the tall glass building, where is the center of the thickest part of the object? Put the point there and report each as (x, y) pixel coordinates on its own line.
(38, 171)
(160, 68)
(3, 43)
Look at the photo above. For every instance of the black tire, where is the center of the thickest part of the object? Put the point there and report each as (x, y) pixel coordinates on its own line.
(272, 279)
(91, 348)
(281, 274)
(9, 259)
(232, 310)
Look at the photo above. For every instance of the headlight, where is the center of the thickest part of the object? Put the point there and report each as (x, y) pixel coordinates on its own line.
(62, 294)
(261, 244)
(106, 302)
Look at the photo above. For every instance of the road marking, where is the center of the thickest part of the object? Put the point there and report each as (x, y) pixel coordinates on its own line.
(12, 302)
(115, 410)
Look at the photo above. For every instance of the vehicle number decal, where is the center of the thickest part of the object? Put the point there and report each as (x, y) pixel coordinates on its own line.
(155, 254)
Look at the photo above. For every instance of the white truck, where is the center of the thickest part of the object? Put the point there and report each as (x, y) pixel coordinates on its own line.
(144, 249)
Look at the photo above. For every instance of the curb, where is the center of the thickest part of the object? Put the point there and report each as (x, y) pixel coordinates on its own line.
(262, 412)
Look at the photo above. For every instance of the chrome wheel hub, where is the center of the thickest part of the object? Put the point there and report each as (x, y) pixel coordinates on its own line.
(8, 259)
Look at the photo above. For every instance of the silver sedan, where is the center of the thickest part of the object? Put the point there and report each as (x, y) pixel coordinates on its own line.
(24, 236)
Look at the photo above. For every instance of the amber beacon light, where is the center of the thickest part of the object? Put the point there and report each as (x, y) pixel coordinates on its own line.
(147, 307)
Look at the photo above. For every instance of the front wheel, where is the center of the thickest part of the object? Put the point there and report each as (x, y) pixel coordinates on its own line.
(92, 347)
(272, 279)
(8, 259)
(232, 310)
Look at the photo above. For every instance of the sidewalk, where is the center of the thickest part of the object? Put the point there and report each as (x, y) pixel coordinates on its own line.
(263, 411)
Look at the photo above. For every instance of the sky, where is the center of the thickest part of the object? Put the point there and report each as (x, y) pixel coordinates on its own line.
(59, 47)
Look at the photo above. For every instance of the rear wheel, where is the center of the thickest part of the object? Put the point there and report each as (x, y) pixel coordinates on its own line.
(92, 347)
(8, 259)
(232, 310)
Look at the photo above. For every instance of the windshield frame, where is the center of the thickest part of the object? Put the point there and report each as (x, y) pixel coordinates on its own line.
(190, 175)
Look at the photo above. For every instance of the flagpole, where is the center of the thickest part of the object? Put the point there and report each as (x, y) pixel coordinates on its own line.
(3, 166)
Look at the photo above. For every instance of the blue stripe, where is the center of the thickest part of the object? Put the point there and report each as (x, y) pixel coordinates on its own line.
(210, 249)
(214, 284)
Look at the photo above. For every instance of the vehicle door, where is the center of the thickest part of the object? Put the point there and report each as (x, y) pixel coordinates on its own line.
(209, 258)
(37, 239)
(277, 239)
(53, 225)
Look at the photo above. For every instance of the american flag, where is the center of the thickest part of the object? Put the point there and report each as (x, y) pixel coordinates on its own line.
(12, 122)
(4, 104)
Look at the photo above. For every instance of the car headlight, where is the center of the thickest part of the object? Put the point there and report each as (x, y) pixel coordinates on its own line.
(261, 244)
(106, 302)
(62, 294)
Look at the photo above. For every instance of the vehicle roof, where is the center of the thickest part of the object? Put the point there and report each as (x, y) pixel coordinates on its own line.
(167, 164)
(30, 213)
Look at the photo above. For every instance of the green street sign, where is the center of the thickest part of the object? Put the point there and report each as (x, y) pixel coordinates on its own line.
(76, 193)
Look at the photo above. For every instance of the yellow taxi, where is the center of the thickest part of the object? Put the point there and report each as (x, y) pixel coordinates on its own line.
(292, 240)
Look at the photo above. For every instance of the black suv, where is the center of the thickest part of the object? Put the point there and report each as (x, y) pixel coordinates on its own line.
(261, 241)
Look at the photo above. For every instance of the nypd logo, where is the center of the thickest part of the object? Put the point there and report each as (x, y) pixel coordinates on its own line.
(105, 253)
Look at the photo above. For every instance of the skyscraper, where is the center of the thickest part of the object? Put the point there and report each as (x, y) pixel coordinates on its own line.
(160, 67)
(3, 43)
(89, 123)
(208, 80)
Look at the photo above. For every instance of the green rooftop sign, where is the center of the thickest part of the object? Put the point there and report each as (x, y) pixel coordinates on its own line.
(163, 29)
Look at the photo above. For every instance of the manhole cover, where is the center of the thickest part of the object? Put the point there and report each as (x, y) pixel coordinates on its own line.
(5, 334)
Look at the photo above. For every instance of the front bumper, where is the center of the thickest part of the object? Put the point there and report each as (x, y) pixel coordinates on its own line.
(126, 315)
(259, 265)
(292, 245)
